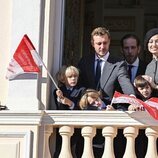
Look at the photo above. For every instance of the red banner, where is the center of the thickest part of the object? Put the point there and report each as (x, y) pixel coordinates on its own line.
(150, 105)
(25, 59)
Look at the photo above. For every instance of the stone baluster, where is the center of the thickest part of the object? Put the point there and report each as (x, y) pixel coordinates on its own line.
(47, 133)
(109, 133)
(152, 134)
(88, 133)
(66, 133)
(130, 133)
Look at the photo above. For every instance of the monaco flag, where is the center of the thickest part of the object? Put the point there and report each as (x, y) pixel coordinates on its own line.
(150, 105)
(25, 59)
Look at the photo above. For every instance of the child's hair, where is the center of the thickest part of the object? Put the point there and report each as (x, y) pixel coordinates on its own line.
(63, 72)
(89, 92)
(69, 69)
(60, 76)
(140, 81)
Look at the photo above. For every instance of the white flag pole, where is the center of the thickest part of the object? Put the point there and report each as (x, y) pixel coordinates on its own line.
(47, 71)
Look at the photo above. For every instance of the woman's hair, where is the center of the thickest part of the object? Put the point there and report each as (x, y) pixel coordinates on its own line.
(88, 93)
(148, 35)
(60, 75)
(63, 72)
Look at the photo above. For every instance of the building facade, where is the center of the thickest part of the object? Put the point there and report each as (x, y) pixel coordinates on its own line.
(30, 117)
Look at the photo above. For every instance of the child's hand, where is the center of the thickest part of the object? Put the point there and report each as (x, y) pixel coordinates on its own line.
(66, 101)
(150, 80)
(133, 107)
(59, 93)
(109, 108)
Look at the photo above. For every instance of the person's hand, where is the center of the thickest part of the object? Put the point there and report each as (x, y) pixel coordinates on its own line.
(66, 101)
(110, 108)
(150, 80)
(134, 107)
(59, 93)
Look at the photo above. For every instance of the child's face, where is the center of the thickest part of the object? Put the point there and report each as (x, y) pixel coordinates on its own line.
(145, 91)
(71, 79)
(94, 100)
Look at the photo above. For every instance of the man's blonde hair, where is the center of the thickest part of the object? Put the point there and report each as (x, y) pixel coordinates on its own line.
(100, 31)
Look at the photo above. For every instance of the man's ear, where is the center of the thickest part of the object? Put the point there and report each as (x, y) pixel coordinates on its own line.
(92, 43)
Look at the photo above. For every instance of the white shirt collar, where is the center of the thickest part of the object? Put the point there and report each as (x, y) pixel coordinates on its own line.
(104, 58)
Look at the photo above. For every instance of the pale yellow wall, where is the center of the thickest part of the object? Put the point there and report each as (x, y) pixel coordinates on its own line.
(5, 34)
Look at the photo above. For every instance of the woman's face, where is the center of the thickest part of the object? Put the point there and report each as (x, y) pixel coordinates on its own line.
(153, 45)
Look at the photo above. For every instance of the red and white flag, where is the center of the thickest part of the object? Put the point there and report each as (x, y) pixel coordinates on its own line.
(25, 59)
(150, 105)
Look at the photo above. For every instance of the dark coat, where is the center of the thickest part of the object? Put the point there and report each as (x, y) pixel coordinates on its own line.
(113, 70)
(74, 95)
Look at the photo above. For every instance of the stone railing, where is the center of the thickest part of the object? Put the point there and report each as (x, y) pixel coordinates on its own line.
(31, 134)
(109, 122)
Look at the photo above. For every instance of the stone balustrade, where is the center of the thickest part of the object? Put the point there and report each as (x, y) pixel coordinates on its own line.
(32, 134)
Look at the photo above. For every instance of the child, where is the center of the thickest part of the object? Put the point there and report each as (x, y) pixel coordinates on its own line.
(91, 100)
(68, 94)
(145, 89)
(67, 98)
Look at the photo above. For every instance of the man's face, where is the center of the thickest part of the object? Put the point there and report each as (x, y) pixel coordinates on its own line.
(130, 50)
(101, 44)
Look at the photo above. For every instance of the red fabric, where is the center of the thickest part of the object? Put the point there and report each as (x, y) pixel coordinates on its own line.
(24, 57)
(152, 108)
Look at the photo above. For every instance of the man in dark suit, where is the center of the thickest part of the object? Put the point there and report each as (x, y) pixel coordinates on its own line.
(108, 72)
(130, 47)
(111, 69)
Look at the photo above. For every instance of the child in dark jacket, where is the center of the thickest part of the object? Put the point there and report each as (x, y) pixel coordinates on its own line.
(68, 94)
(145, 89)
(67, 98)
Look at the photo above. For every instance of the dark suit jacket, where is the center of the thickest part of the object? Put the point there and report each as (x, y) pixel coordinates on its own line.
(113, 70)
(141, 68)
(74, 95)
(141, 71)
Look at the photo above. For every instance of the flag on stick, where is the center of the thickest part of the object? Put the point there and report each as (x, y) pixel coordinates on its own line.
(150, 105)
(26, 60)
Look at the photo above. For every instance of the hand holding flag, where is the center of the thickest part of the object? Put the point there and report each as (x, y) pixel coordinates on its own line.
(150, 105)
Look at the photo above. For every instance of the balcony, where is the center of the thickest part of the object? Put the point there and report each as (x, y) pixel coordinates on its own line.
(27, 134)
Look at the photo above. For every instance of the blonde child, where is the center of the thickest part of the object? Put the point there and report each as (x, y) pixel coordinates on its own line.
(91, 100)
(67, 98)
(68, 94)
